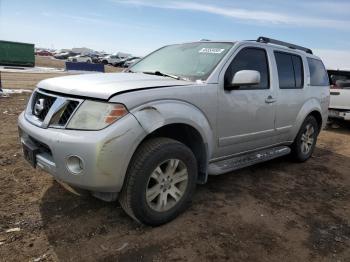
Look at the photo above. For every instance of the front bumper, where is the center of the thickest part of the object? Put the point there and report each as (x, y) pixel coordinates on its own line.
(105, 153)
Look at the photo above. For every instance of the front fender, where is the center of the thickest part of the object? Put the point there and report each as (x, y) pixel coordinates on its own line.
(156, 114)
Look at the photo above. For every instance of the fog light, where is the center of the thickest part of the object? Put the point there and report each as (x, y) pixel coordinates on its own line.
(75, 164)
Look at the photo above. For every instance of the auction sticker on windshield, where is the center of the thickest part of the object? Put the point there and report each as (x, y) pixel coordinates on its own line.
(211, 50)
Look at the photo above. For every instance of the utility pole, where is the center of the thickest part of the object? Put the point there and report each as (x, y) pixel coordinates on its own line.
(0, 83)
(0, 32)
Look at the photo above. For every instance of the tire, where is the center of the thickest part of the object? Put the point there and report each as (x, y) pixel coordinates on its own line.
(305, 138)
(150, 166)
(105, 62)
(88, 61)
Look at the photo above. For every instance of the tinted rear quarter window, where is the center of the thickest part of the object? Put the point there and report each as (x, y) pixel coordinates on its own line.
(318, 74)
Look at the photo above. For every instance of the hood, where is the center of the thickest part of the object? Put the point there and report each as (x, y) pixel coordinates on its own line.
(103, 86)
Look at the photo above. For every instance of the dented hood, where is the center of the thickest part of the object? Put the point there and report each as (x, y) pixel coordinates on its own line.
(103, 86)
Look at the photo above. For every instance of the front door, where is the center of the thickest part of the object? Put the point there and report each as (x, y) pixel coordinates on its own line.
(246, 115)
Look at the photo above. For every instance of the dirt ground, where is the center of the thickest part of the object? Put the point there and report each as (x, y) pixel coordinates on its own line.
(275, 211)
(29, 80)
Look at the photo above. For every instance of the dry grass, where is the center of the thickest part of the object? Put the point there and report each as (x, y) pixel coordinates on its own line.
(46, 61)
(30, 80)
(25, 80)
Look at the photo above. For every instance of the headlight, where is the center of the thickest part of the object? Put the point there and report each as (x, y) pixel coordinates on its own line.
(93, 115)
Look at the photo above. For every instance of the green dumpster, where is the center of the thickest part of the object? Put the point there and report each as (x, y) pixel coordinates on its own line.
(16, 54)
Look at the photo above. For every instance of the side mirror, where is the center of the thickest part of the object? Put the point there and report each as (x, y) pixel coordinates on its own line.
(245, 78)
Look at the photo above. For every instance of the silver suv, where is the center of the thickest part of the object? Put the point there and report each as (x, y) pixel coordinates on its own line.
(148, 135)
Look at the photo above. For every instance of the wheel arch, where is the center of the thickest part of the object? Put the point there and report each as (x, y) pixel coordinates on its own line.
(311, 107)
(317, 115)
(190, 137)
(180, 121)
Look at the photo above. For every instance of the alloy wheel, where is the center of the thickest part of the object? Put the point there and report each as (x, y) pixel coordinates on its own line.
(167, 185)
(307, 139)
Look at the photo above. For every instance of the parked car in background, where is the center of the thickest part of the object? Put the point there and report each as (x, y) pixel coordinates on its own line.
(65, 55)
(114, 59)
(97, 58)
(60, 51)
(107, 59)
(80, 58)
(43, 53)
(339, 106)
(122, 61)
(131, 61)
(94, 57)
(148, 135)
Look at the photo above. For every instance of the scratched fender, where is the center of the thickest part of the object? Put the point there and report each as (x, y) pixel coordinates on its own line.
(160, 113)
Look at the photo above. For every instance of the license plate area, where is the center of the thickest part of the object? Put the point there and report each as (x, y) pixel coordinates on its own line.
(29, 152)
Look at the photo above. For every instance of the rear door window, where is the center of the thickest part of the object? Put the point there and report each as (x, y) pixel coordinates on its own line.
(298, 71)
(318, 74)
(290, 70)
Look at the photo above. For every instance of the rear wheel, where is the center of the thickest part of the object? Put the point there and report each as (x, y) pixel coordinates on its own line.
(305, 142)
(160, 181)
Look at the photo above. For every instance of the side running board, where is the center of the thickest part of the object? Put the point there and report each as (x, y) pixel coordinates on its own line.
(249, 159)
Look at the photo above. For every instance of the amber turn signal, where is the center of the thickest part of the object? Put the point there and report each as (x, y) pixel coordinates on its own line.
(117, 112)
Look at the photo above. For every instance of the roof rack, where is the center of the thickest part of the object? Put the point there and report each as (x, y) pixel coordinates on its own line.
(267, 40)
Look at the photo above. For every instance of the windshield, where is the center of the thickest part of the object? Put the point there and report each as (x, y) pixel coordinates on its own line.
(193, 61)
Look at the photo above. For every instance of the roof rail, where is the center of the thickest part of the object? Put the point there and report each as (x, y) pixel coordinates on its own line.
(267, 40)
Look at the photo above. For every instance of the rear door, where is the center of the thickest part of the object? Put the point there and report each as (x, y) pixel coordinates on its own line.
(290, 92)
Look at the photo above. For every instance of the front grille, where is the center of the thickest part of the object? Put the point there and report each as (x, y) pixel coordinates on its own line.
(47, 109)
(67, 112)
(46, 103)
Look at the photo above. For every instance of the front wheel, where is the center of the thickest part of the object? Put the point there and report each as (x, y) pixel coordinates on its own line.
(305, 142)
(160, 181)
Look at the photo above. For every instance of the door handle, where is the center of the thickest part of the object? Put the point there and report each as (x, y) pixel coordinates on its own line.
(270, 100)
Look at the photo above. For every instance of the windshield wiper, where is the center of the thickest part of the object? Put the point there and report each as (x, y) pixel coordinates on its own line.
(158, 73)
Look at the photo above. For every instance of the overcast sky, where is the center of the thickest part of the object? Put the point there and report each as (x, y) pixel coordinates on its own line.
(140, 26)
